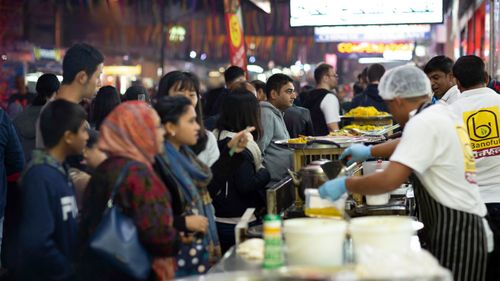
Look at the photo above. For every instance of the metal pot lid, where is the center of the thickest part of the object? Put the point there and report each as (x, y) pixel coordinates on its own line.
(314, 166)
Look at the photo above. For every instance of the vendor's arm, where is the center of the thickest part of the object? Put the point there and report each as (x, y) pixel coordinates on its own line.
(377, 183)
(360, 152)
(388, 180)
(384, 150)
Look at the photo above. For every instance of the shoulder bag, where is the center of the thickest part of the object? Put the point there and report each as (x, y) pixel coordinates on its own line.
(116, 239)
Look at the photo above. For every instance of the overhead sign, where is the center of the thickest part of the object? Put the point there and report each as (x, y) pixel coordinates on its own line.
(177, 33)
(373, 33)
(234, 27)
(373, 48)
(364, 12)
(49, 54)
(122, 70)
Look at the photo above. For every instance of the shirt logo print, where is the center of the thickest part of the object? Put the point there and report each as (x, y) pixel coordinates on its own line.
(68, 206)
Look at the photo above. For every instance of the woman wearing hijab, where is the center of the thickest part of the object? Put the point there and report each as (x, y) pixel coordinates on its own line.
(131, 135)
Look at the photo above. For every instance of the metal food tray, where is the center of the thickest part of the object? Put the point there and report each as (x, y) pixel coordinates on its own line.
(327, 142)
(396, 206)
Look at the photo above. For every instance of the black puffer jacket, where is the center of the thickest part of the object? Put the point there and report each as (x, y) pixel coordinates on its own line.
(236, 185)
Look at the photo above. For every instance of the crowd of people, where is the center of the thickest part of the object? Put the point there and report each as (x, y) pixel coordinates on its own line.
(187, 165)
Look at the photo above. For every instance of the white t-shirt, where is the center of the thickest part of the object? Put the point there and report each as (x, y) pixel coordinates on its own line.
(480, 111)
(451, 95)
(436, 147)
(211, 153)
(330, 107)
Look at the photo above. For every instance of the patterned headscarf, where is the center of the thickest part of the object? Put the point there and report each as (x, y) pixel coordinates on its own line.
(130, 131)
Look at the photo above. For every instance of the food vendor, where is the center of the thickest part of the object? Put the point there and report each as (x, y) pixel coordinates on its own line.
(435, 151)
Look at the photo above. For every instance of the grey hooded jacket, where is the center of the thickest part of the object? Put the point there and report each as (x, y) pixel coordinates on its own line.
(277, 159)
(25, 124)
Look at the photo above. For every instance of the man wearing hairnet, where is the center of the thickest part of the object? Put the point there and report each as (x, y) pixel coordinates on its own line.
(435, 152)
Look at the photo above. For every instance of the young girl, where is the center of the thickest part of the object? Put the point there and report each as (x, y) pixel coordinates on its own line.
(93, 157)
(177, 83)
(188, 178)
(239, 181)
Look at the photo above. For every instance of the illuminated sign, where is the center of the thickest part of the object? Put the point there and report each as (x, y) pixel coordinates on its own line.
(51, 54)
(122, 70)
(373, 48)
(364, 12)
(372, 33)
(177, 33)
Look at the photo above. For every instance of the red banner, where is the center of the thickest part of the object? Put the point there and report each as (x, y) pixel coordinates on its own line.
(236, 39)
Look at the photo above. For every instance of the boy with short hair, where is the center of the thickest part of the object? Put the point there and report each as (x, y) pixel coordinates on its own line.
(47, 224)
(82, 67)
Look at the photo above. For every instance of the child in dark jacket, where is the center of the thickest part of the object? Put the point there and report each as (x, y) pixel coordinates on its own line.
(47, 224)
(239, 180)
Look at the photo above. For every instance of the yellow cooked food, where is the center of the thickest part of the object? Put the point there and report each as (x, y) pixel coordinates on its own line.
(364, 127)
(365, 112)
(300, 140)
(342, 133)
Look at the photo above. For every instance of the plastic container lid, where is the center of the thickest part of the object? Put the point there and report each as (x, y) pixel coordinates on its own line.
(314, 225)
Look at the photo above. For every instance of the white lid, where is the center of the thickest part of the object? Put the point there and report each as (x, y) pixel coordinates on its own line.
(314, 225)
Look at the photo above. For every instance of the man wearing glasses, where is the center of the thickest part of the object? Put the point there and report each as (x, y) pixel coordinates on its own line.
(322, 102)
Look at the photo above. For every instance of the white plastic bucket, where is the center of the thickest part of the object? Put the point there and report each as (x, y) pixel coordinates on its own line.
(381, 234)
(369, 167)
(314, 241)
(380, 199)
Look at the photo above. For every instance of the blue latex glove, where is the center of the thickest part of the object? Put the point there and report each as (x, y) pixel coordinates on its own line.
(357, 152)
(333, 189)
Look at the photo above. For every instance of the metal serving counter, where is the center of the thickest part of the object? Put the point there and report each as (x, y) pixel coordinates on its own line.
(232, 267)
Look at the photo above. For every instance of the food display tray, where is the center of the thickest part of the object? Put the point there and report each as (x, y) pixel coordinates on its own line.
(397, 205)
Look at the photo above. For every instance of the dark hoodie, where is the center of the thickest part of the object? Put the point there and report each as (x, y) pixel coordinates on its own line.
(370, 97)
(25, 124)
(236, 184)
(45, 234)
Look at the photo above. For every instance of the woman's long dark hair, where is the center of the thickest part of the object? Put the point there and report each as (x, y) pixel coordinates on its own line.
(240, 109)
(105, 101)
(185, 81)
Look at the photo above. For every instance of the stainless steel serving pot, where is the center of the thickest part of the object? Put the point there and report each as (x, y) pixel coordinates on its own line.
(310, 176)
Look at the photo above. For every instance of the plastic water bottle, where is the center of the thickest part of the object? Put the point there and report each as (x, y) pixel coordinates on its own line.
(273, 242)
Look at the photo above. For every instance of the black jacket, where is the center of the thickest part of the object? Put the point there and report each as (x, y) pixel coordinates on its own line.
(298, 121)
(236, 185)
(370, 97)
(312, 101)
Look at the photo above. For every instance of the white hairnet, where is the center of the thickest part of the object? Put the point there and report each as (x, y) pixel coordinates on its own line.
(404, 81)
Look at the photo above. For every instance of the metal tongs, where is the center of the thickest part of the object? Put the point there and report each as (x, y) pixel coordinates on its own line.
(338, 168)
